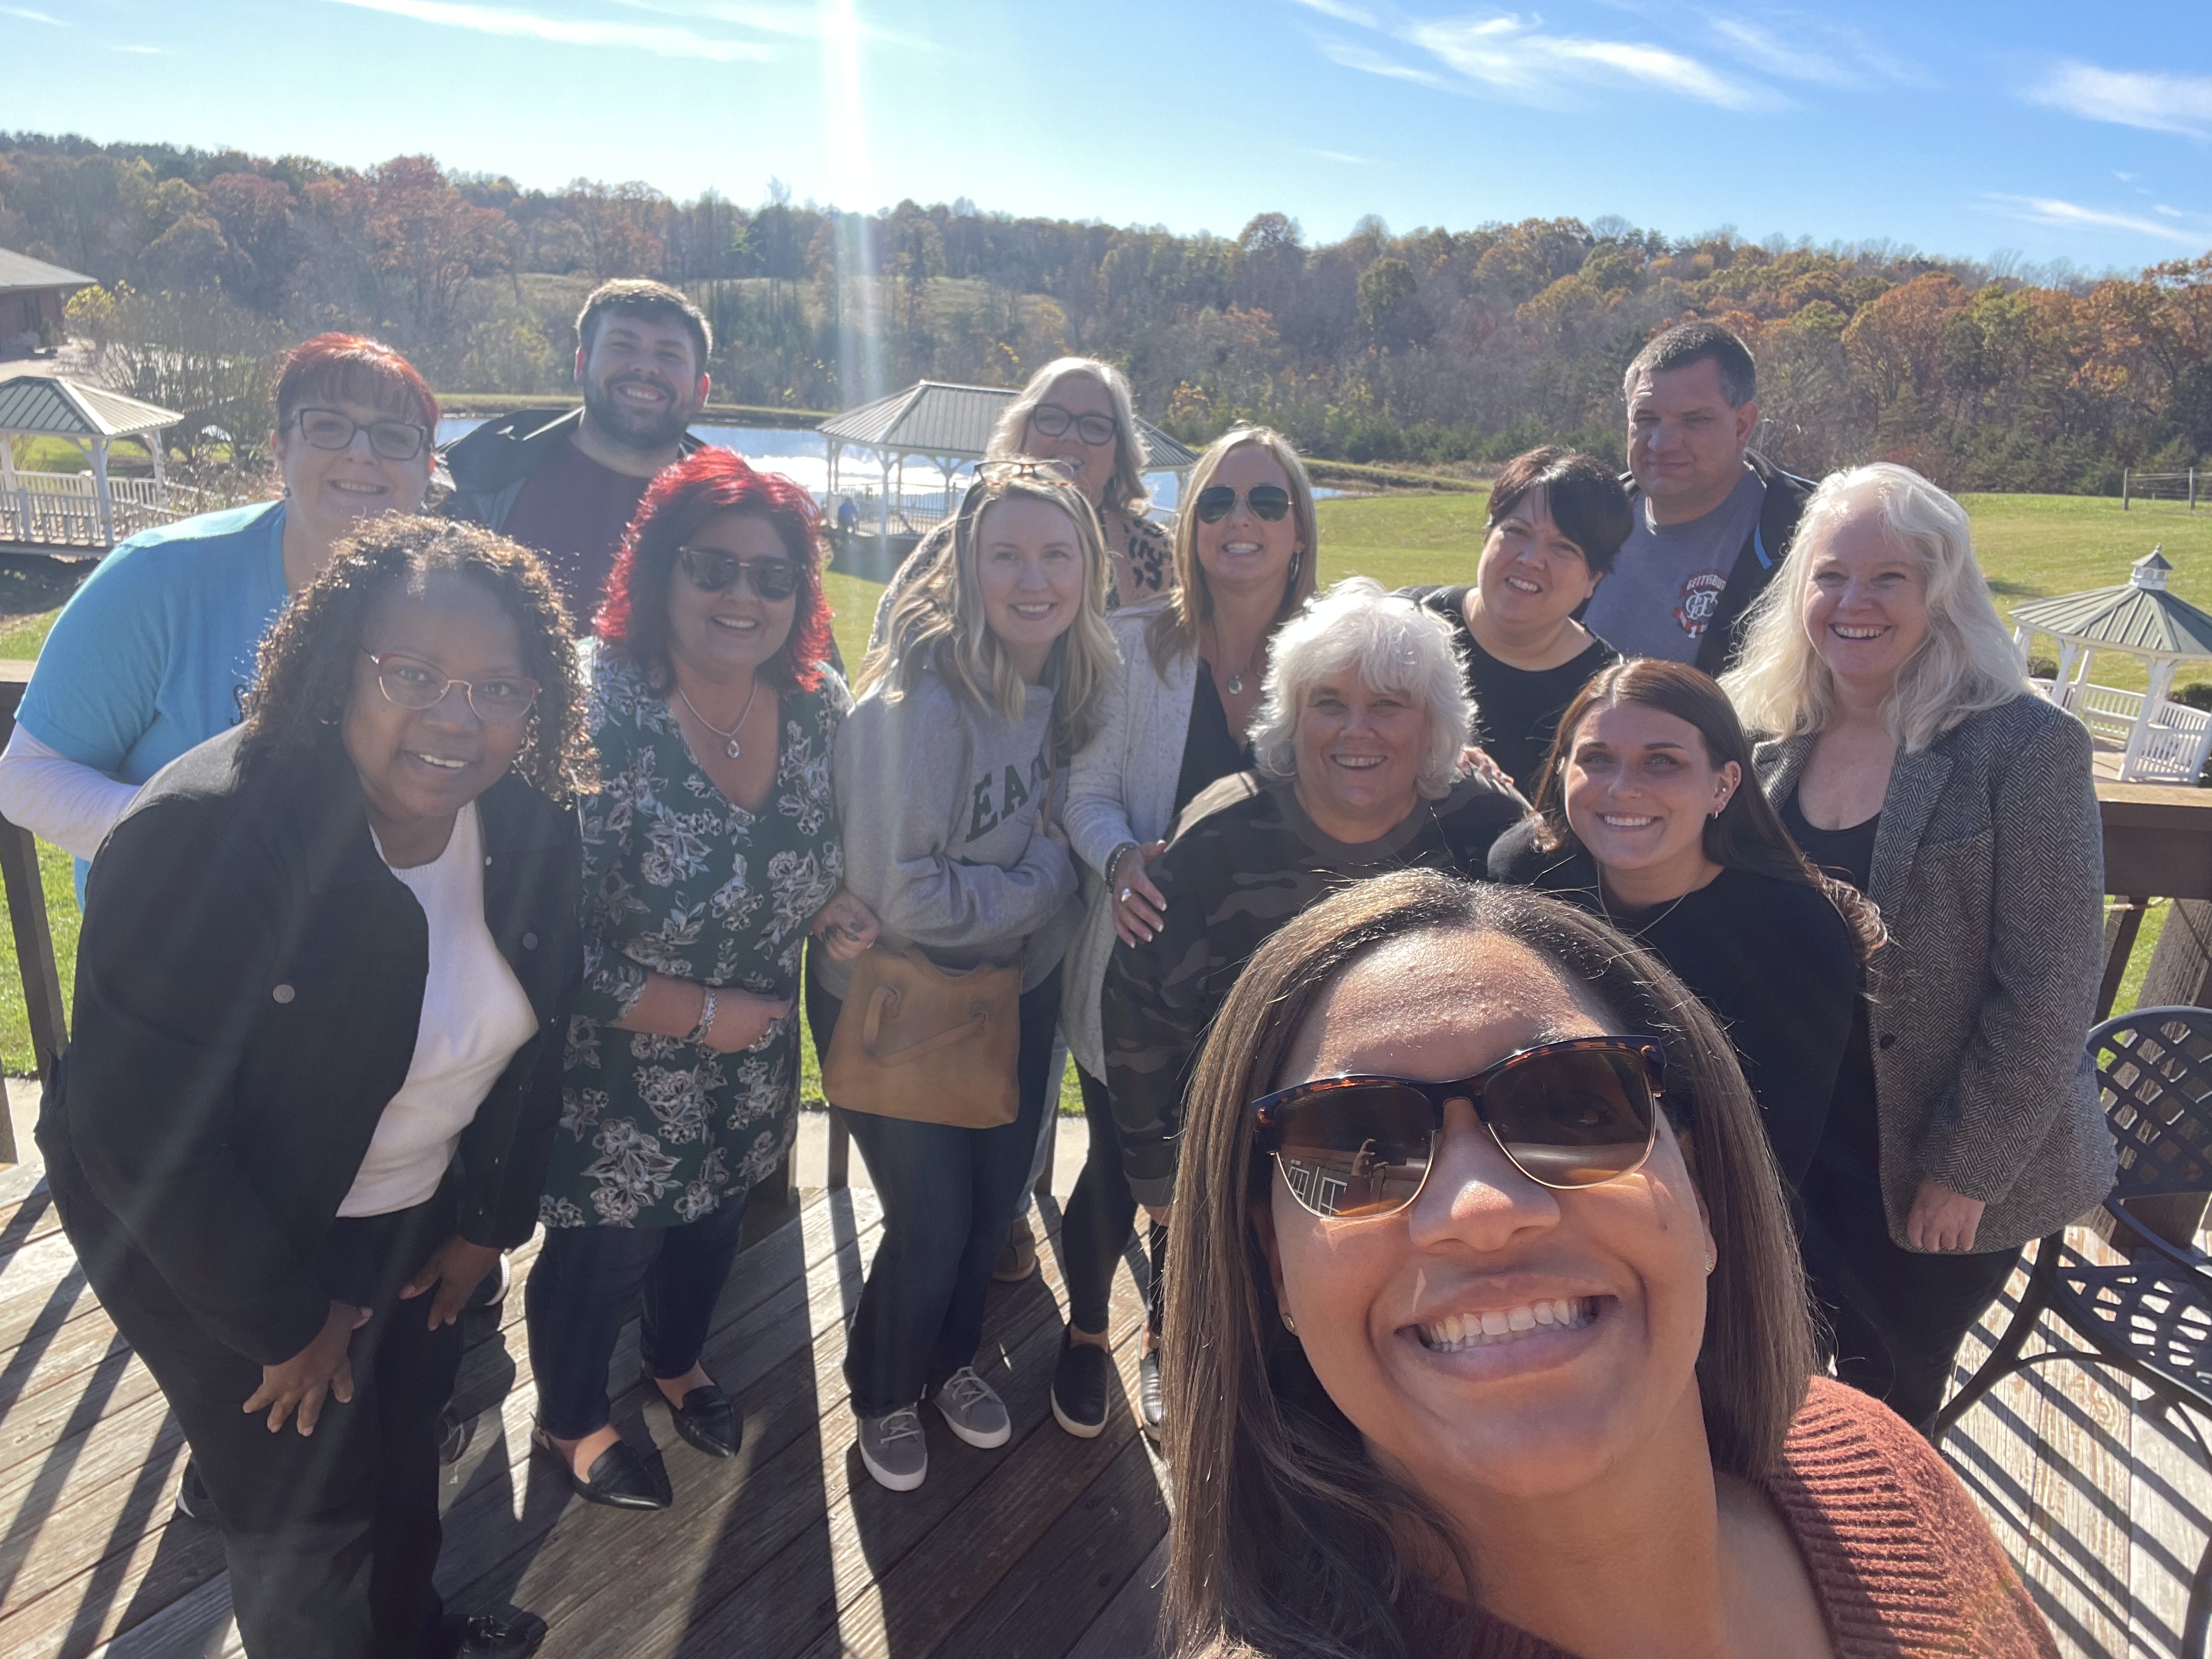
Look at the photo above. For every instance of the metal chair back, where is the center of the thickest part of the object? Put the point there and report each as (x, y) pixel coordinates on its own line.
(2154, 1077)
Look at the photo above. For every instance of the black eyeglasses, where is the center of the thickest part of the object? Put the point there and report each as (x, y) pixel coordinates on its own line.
(711, 570)
(412, 683)
(333, 428)
(1572, 1114)
(1217, 501)
(1052, 421)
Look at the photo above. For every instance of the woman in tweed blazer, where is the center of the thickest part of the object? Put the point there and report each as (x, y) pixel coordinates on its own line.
(1910, 756)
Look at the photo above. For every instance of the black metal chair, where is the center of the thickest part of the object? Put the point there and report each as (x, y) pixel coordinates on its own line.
(2150, 1315)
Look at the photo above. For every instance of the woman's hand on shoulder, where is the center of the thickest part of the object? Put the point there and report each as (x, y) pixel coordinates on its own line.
(1942, 1219)
(321, 1371)
(1476, 763)
(743, 1019)
(844, 927)
(1140, 907)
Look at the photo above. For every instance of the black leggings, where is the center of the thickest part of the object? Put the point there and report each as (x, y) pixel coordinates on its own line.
(1094, 1230)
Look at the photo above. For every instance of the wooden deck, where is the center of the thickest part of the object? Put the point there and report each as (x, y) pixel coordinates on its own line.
(1049, 1546)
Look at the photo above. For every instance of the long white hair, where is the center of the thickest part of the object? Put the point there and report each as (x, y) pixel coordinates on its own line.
(1968, 663)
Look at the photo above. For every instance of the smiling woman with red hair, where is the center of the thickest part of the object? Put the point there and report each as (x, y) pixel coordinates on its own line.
(710, 850)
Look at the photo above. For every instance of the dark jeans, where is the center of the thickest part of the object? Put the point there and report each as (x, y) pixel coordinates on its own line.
(1095, 1229)
(1896, 1317)
(949, 1195)
(331, 1540)
(580, 1290)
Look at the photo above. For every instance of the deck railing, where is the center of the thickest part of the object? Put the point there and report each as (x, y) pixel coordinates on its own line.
(2174, 745)
(62, 508)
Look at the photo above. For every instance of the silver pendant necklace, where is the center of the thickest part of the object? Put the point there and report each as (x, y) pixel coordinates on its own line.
(730, 736)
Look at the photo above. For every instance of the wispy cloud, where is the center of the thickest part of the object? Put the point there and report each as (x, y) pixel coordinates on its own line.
(1369, 61)
(1515, 57)
(1342, 10)
(2129, 98)
(1343, 157)
(665, 41)
(795, 20)
(1815, 51)
(30, 17)
(2071, 215)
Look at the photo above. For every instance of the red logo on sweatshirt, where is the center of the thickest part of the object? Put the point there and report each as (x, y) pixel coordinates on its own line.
(1701, 597)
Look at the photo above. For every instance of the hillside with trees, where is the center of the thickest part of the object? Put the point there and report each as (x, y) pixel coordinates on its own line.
(1436, 346)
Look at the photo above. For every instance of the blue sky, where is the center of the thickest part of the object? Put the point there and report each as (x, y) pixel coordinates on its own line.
(1964, 127)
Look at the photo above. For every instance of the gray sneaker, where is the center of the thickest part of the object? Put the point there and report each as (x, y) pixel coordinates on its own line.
(973, 1411)
(893, 1449)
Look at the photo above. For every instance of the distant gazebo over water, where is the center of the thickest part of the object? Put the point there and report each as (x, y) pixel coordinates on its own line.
(2158, 741)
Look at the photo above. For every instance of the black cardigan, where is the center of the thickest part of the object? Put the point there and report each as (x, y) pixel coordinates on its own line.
(1772, 959)
(249, 987)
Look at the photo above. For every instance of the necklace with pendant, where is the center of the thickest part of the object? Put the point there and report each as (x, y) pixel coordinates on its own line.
(1639, 932)
(730, 736)
(1234, 682)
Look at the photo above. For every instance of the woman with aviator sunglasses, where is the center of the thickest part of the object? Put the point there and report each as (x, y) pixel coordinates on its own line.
(1518, 1366)
(711, 850)
(327, 963)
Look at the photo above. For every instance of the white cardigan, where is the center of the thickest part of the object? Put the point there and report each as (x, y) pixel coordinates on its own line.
(1120, 788)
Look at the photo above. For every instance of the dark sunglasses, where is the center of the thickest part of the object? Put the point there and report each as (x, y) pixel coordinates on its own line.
(1217, 501)
(1052, 421)
(410, 684)
(711, 570)
(332, 428)
(1572, 1114)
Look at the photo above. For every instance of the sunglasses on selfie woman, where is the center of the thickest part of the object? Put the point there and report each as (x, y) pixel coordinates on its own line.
(711, 570)
(1217, 501)
(1573, 1114)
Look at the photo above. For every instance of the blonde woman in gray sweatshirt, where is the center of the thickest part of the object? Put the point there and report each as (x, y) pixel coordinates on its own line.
(949, 773)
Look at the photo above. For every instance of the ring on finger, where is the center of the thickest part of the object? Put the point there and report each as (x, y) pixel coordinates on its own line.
(1125, 895)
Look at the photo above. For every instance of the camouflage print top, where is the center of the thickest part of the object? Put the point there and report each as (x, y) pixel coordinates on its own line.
(1245, 858)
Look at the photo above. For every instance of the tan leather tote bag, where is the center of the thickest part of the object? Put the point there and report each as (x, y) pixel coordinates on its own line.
(930, 1044)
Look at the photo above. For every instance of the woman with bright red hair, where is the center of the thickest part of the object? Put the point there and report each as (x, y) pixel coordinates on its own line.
(154, 654)
(711, 850)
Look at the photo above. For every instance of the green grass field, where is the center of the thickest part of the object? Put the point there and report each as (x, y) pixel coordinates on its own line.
(2030, 546)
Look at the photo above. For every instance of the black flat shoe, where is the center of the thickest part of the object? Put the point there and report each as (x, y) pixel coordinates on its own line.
(618, 1476)
(493, 1636)
(192, 1500)
(706, 1419)
(1148, 1395)
(454, 1434)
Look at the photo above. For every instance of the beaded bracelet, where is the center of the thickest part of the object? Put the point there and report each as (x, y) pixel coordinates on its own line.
(706, 1017)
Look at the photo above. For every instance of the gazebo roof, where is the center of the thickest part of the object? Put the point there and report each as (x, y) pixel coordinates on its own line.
(938, 419)
(2140, 617)
(21, 271)
(53, 405)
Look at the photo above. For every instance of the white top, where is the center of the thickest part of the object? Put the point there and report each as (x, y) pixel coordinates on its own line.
(56, 798)
(475, 1018)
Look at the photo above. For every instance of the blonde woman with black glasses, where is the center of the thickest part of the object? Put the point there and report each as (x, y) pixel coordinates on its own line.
(950, 775)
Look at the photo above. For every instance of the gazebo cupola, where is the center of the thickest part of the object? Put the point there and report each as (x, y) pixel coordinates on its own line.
(2158, 739)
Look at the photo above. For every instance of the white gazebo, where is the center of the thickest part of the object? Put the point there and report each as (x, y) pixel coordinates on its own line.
(79, 509)
(2159, 741)
(948, 425)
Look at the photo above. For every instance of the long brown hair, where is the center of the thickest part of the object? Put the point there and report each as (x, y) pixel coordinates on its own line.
(1748, 833)
(1173, 630)
(1287, 1539)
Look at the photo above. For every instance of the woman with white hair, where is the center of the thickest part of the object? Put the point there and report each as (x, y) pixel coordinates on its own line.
(1173, 722)
(1909, 756)
(1357, 739)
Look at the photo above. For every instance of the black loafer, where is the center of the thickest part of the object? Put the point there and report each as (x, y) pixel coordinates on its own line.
(454, 1434)
(1149, 1410)
(493, 1636)
(706, 1419)
(618, 1476)
(192, 1500)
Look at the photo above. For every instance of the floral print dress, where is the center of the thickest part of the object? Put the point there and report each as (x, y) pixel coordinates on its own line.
(658, 1131)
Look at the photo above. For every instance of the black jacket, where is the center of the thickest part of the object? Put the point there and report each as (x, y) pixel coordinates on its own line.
(249, 985)
(1761, 557)
(488, 467)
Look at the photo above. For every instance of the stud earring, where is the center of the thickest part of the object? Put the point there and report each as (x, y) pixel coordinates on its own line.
(1711, 1261)
(1289, 1323)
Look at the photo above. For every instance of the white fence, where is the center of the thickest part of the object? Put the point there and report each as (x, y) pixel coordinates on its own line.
(2174, 746)
(62, 509)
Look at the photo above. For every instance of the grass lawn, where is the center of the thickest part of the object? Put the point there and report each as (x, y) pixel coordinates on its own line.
(2030, 546)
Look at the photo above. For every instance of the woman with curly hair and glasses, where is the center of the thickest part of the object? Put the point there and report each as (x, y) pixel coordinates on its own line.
(710, 850)
(327, 961)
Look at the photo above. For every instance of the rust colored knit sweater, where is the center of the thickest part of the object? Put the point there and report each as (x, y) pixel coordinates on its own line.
(1902, 1562)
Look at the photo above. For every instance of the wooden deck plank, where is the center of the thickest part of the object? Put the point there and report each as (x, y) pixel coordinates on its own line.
(1129, 1625)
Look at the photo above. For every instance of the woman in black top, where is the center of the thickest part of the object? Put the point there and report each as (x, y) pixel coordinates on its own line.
(1556, 520)
(1649, 814)
(327, 962)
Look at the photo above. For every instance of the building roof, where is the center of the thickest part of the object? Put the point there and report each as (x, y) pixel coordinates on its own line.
(55, 406)
(2142, 616)
(936, 418)
(21, 271)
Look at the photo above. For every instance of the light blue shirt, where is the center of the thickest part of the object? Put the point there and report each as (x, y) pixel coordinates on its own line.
(154, 654)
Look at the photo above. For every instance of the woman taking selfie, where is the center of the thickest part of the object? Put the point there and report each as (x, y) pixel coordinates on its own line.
(154, 651)
(1650, 816)
(1911, 758)
(326, 963)
(1517, 1366)
(949, 773)
(710, 848)
(1173, 721)
(1556, 520)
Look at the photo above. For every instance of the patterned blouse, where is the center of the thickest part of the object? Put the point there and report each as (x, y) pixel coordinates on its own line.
(656, 1131)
